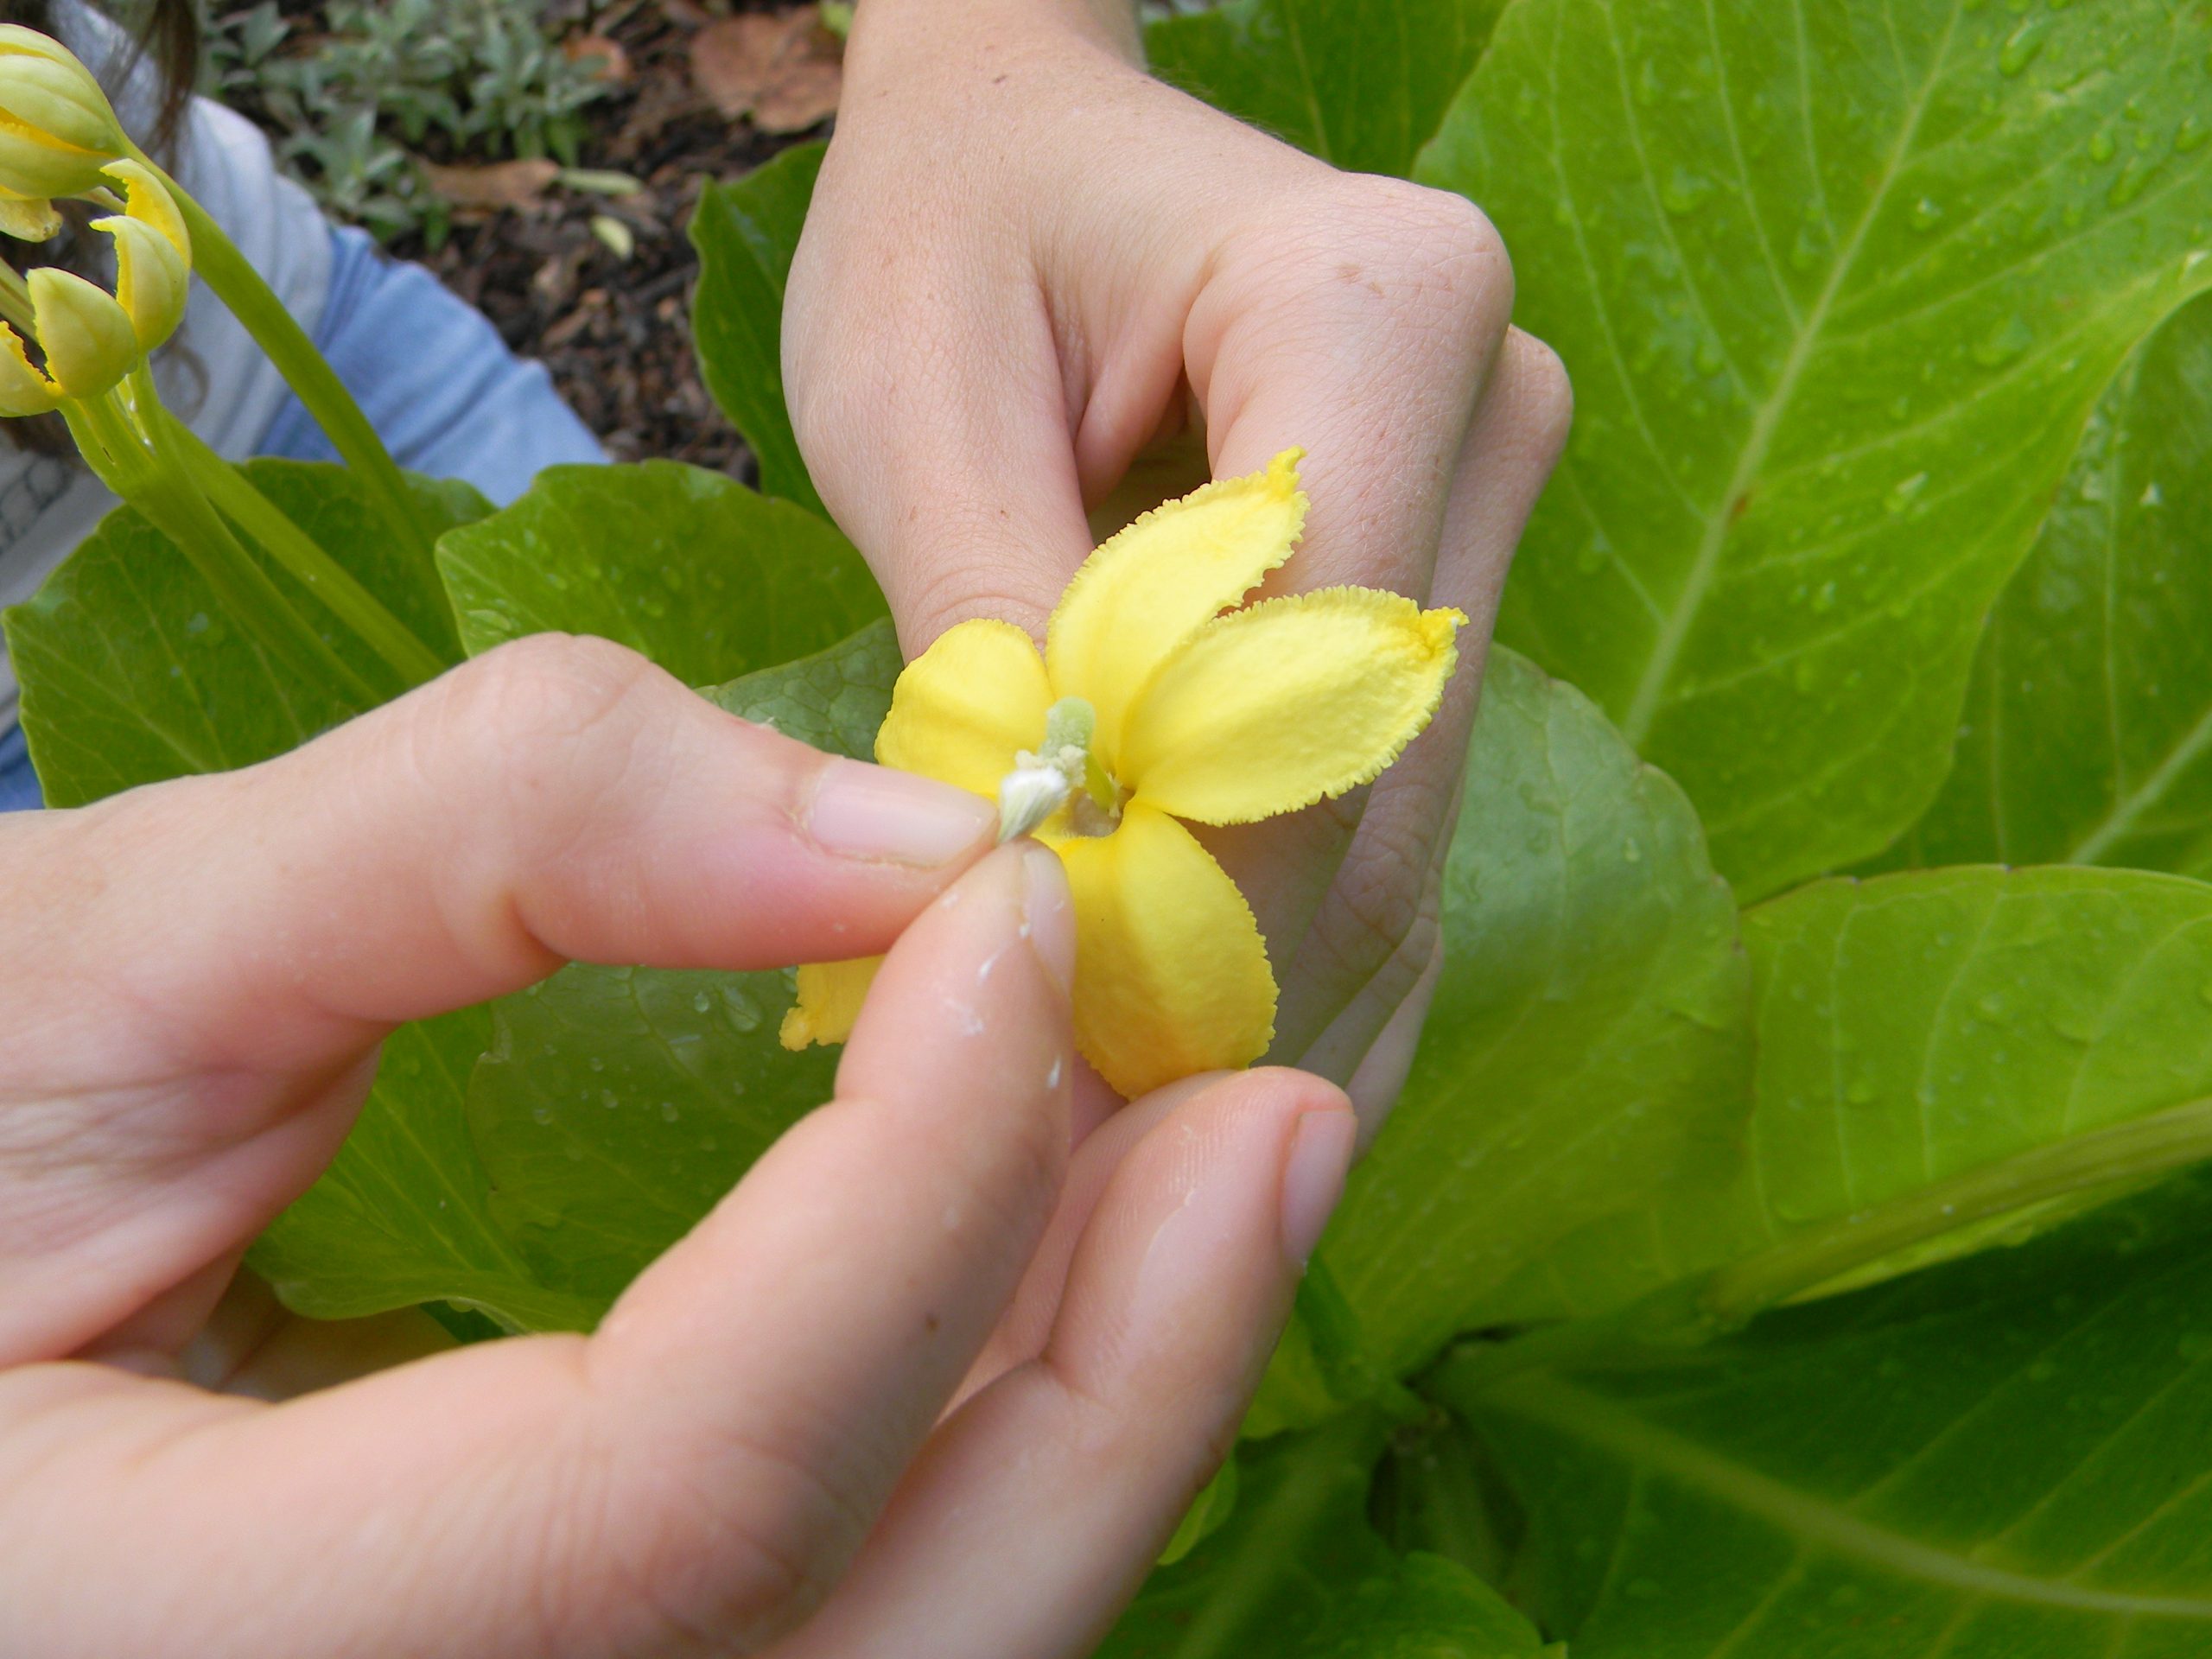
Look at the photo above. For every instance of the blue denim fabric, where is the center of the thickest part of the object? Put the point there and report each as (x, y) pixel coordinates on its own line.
(437, 382)
(18, 783)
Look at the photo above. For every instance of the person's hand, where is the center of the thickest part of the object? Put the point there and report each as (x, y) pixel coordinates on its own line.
(1024, 260)
(754, 1451)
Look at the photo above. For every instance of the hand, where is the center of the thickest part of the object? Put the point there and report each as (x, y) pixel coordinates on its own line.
(754, 1450)
(1024, 260)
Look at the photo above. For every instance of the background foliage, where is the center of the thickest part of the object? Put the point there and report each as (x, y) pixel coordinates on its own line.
(1779, 1248)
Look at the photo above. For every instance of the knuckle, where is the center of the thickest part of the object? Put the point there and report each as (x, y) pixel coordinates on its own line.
(964, 578)
(540, 732)
(729, 1542)
(545, 689)
(1444, 243)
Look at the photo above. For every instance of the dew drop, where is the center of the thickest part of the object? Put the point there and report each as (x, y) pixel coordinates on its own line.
(1926, 215)
(2021, 47)
(2101, 147)
(668, 1112)
(1685, 192)
(1903, 493)
(2005, 343)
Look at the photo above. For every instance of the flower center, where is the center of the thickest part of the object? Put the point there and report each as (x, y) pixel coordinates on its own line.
(1062, 771)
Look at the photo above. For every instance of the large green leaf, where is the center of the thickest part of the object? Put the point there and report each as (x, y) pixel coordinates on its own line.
(2087, 736)
(1297, 1572)
(131, 674)
(1837, 285)
(402, 1215)
(746, 232)
(709, 579)
(2000, 1458)
(1590, 1032)
(1915, 1028)
(616, 1105)
(1362, 86)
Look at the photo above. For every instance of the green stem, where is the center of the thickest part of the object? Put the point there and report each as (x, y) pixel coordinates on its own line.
(174, 505)
(1697, 1309)
(234, 495)
(240, 287)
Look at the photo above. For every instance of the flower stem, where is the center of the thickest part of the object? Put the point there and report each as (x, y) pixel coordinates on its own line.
(171, 501)
(240, 287)
(234, 495)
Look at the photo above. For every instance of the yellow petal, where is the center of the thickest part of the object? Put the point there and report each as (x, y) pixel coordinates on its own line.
(27, 218)
(963, 707)
(830, 998)
(1145, 591)
(152, 279)
(147, 200)
(1274, 707)
(23, 390)
(88, 339)
(1171, 974)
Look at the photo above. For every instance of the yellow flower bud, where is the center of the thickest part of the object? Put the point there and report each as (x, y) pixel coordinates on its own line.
(153, 255)
(23, 390)
(90, 344)
(57, 128)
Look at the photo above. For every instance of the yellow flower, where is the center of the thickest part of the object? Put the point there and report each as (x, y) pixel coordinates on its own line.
(1155, 701)
(57, 129)
(92, 339)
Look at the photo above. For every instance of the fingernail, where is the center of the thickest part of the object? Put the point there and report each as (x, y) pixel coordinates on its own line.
(864, 812)
(1048, 912)
(1313, 1178)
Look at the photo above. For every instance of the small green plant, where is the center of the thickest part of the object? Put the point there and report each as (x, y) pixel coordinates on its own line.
(475, 80)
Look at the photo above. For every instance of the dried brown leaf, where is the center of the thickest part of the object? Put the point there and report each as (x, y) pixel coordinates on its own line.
(782, 70)
(517, 185)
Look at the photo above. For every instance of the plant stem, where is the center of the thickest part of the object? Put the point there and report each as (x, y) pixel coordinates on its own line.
(1695, 1310)
(234, 495)
(174, 505)
(240, 287)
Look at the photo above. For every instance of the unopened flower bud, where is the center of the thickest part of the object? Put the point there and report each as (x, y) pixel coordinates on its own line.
(89, 342)
(153, 255)
(23, 390)
(57, 129)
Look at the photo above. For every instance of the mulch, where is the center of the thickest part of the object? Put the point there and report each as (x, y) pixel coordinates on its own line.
(615, 332)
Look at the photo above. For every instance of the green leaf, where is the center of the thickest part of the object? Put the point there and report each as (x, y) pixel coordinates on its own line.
(1838, 286)
(131, 674)
(1298, 1572)
(836, 699)
(1590, 1031)
(1363, 87)
(2002, 1458)
(746, 232)
(2087, 737)
(403, 1214)
(686, 566)
(1916, 1027)
(616, 1105)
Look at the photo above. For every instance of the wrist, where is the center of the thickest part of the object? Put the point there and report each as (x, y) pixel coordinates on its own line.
(889, 35)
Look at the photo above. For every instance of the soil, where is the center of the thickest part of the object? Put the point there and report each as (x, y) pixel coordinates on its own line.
(616, 331)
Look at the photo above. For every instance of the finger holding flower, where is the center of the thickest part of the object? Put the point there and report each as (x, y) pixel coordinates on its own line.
(1160, 700)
